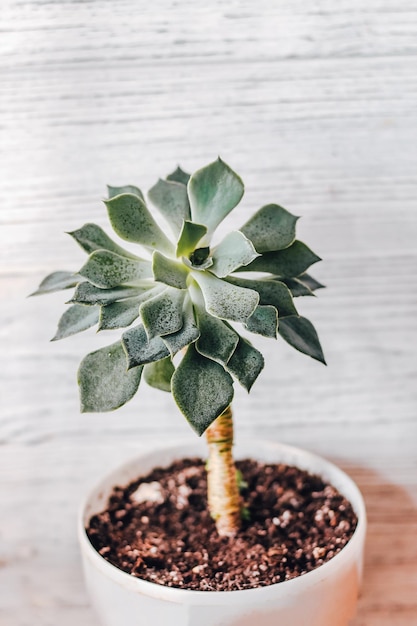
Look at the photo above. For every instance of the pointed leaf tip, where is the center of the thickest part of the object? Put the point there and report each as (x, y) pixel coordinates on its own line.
(57, 281)
(214, 191)
(91, 237)
(76, 318)
(300, 333)
(116, 191)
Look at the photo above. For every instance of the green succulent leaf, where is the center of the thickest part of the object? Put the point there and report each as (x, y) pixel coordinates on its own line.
(286, 263)
(271, 228)
(271, 292)
(86, 293)
(303, 285)
(264, 321)
(132, 221)
(190, 235)
(168, 271)
(234, 251)
(297, 287)
(123, 314)
(105, 384)
(186, 335)
(119, 314)
(106, 269)
(76, 319)
(159, 374)
(92, 237)
(171, 199)
(179, 176)
(300, 333)
(310, 282)
(214, 191)
(141, 350)
(225, 300)
(201, 388)
(56, 282)
(217, 339)
(163, 314)
(246, 364)
(116, 191)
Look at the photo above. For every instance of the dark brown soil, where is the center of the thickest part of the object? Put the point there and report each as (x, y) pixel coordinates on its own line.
(295, 523)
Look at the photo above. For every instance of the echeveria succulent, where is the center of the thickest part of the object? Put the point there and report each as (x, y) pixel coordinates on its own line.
(183, 294)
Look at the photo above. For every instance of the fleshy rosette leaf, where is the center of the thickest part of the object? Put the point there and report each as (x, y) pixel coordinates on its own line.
(184, 296)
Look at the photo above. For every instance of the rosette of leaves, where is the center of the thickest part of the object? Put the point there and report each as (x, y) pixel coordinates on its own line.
(180, 293)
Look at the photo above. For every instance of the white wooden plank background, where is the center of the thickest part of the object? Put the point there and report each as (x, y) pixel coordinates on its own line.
(315, 105)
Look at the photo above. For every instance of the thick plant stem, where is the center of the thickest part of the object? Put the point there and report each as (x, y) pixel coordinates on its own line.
(223, 490)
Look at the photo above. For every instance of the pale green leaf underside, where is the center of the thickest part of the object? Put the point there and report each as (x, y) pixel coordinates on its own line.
(106, 269)
(264, 321)
(57, 281)
(105, 384)
(234, 251)
(214, 191)
(179, 176)
(190, 235)
(271, 292)
(141, 350)
(245, 364)
(168, 271)
(163, 314)
(271, 228)
(133, 222)
(202, 389)
(286, 263)
(86, 293)
(76, 318)
(187, 334)
(300, 333)
(92, 237)
(116, 191)
(171, 199)
(217, 340)
(159, 374)
(224, 300)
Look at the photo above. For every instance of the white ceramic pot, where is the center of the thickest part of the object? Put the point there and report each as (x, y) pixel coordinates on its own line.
(327, 596)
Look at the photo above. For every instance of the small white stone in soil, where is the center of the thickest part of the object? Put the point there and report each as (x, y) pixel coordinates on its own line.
(148, 492)
(183, 492)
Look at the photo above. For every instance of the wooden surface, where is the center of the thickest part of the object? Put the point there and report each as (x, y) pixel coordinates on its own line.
(315, 105)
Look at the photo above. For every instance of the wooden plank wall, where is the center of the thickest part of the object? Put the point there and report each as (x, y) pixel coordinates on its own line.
(314, 104)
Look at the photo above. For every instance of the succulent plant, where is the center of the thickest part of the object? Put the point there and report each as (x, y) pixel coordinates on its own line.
(184, 294)
(188, 295)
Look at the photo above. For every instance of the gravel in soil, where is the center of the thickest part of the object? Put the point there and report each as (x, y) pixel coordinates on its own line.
(158, 528)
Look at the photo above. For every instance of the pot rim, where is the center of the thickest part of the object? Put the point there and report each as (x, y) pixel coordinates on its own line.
(302, 458)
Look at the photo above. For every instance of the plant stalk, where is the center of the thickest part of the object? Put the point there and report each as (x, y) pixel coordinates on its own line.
(222, 484)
